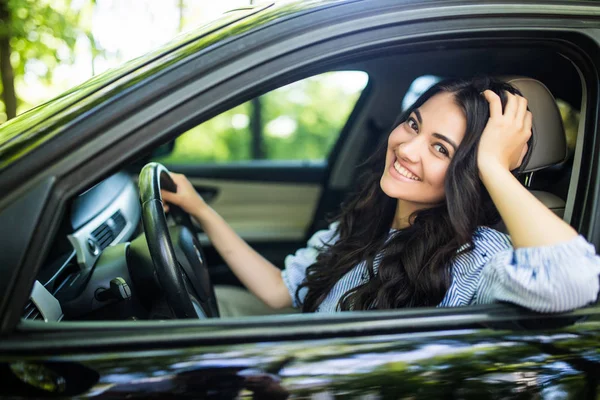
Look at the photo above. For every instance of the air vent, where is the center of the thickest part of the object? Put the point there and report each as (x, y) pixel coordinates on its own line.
(103, 236)
(119, 221)
(32, 312)
(106, 233)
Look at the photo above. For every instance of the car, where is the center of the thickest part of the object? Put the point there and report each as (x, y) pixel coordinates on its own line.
(97, 303)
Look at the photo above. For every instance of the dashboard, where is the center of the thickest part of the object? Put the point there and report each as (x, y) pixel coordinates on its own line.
(104, 216)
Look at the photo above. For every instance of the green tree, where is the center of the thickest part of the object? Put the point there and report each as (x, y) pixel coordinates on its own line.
(37, 36)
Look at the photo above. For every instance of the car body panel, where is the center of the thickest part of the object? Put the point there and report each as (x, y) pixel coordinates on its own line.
(456, 362)
(487, 351)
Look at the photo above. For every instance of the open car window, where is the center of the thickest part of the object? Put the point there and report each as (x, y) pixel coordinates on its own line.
(300, 121)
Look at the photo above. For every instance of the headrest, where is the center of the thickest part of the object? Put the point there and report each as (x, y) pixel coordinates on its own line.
(549, 144)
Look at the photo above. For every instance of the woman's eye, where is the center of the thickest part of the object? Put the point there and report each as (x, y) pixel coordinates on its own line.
(441, 149)
(412, 124)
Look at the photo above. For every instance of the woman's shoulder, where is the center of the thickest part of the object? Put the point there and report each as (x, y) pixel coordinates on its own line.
(487, 237)
(324, 237)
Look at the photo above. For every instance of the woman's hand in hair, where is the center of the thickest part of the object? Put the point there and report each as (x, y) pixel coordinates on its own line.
(186, 196)
(502, 148)
(504, 139)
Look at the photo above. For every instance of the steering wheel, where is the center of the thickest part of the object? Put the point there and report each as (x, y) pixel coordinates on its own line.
(180, 269)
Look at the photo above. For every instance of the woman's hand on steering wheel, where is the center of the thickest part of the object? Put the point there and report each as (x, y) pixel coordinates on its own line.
(186, 196)
(180, 268)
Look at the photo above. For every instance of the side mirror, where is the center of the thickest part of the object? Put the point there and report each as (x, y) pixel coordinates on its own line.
(163, 150)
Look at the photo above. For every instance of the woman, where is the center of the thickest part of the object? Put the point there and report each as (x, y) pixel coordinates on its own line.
(418, 233)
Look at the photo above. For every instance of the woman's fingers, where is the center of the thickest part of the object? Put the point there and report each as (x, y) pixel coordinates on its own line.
(495, 104)
(528, 126)
(505, 136)
(516, 106)
(186, 196)
(167, 196)
(521, 108)
(512, 104)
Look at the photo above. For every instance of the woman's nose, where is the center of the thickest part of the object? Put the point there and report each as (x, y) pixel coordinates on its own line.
(410, 150)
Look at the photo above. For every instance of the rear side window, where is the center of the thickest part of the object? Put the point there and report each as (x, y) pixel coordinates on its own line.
(299, 121)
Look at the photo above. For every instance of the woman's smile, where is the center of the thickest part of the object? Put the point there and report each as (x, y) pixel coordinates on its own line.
(402, 173)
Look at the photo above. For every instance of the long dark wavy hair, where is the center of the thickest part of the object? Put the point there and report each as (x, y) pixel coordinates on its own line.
(414, 263)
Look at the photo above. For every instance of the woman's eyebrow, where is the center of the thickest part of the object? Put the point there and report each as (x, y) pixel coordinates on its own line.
(418, 114)
(445, 139)
(436, 135)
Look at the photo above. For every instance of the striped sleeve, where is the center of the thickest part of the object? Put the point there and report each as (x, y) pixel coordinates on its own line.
(554, 278)
(296, 264)
(467, 267)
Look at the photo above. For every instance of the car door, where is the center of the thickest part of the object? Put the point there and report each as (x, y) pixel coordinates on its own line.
(457, 354)
(496, 351)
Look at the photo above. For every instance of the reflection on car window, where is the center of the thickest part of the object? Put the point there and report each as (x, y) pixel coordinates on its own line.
(300, 121)
(417, 88)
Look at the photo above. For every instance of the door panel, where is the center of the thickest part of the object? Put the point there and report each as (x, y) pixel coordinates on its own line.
(270, 204)
(263, 211)
(275, 171)
(263, 201)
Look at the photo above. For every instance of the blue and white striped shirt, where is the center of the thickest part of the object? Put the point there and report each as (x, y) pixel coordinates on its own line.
(554, 278)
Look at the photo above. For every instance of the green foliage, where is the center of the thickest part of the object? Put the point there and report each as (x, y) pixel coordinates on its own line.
(43, 34)
(214, 140)
(300, 121)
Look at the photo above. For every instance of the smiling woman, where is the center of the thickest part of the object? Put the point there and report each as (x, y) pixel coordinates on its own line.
(419, 231)
(421, 160)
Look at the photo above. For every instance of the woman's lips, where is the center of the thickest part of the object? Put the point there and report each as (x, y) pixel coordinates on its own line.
(400, 172)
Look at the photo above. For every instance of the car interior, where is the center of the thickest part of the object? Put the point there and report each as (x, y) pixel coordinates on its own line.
(99, 266)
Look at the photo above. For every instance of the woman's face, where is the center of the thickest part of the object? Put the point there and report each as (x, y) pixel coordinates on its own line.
(419, 151)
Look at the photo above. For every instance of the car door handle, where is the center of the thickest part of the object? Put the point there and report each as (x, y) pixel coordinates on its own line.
(208, 193)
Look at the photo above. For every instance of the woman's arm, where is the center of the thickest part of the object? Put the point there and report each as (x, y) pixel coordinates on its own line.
(258, 275)
(529, 222)
(502, 148)
(555, 278)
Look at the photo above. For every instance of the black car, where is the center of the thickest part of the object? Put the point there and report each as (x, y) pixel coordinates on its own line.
(88, 306)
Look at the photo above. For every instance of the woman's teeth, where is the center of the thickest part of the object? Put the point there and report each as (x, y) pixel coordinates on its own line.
(404, 172)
